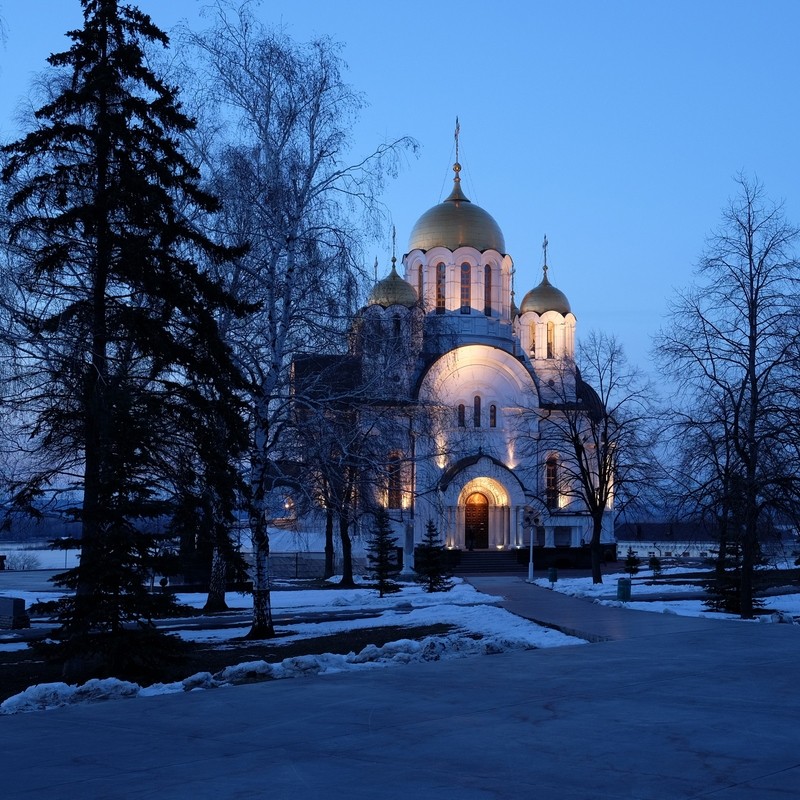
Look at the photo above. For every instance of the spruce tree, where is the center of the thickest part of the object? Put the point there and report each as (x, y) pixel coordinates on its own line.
(655, 565)
(123, 364)
(429, 561)
(632, 562)
(381, 551)
(724, 590)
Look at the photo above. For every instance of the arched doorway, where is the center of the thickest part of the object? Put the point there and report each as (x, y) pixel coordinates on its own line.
(476, 522)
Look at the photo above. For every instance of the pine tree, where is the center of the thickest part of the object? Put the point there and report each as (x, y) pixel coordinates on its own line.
(123, 363)
(632, 563)
(381, 550)
(724, 590)
(655, 565)
(429, 561)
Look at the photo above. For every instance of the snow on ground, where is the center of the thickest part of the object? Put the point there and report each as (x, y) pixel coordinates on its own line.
(659, 594)
(471, 614)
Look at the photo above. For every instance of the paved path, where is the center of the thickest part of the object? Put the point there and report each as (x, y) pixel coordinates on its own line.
(669, 709)
(579, 617)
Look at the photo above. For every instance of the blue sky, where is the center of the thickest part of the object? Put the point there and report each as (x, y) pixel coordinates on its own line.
(614, 127)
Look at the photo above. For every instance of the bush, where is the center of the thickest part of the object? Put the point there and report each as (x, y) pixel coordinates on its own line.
(22, 560)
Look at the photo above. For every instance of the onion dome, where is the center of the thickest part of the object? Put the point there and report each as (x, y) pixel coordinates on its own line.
(457, 222)
(545, 297)
(393, 291)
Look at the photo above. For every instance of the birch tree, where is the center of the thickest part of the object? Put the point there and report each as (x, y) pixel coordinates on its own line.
(279, 118)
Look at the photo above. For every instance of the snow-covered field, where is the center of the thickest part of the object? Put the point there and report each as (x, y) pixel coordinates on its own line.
(659, 597)
(479, 627)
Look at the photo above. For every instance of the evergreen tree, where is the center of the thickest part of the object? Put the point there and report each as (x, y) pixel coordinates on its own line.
(381, 551)
(723, 590)
(121, 364)
(632, 562)
(429, 561)
(655, 565)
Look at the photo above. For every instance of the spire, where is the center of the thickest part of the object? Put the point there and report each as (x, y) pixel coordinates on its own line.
(513, 275)
(394, 248)
(376, 269)
(457, 194)
(544, 250)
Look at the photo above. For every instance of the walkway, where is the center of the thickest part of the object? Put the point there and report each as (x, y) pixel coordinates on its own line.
(579, 617)
(676, 708)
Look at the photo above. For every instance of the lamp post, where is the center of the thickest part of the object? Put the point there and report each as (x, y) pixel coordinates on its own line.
(531, 529)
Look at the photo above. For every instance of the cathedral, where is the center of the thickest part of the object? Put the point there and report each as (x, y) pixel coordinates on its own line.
(469, 382)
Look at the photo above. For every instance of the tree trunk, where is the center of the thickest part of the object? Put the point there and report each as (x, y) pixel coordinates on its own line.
(262, 627)
(329, 554)
(597, 549)
(749, 548)
(217, 583)
(347, 552)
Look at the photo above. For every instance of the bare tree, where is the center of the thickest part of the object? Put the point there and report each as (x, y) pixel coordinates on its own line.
(731, 350)
(278, 119)
(599, 422)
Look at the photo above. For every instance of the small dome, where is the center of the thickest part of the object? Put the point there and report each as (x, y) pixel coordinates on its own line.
(392, 291)
(457, 222)
(545, 297)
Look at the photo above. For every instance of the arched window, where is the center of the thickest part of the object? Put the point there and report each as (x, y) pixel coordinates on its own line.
(394, 474)
(551, 340)
(533, 339)
(462, 419)
(397, 327)
(466, 288)
(441, 276)
(420, 284)
(476, 412)
(493, 416)
(551, 483)
(487, 290)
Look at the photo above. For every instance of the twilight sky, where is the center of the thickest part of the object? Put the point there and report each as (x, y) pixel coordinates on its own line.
(614, 127)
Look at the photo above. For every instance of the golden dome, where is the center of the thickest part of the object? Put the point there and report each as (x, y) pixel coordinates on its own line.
(457, 222)
(392, 291)
(545, 297)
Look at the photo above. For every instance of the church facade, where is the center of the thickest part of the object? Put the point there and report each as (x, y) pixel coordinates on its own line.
(469, 382)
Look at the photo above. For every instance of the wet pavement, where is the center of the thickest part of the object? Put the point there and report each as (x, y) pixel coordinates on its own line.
(659, 707)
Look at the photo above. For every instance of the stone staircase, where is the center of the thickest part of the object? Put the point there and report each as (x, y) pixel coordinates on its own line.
(488, 562)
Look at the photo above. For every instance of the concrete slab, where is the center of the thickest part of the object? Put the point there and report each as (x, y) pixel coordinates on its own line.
(665, 713)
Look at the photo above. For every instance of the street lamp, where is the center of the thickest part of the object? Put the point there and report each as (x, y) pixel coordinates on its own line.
(532, 523)
(530, 561)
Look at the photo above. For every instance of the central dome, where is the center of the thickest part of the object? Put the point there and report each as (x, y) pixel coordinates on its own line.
(457, 222)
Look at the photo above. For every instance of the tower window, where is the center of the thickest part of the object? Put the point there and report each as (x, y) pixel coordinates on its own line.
(493, 416)
(533, 339)
(394, 474)
(551, 340)
(420, 285)
(441, 275)
(551, 483)
(462, 420)
(487, 290)
(466, 288)
(476, 412)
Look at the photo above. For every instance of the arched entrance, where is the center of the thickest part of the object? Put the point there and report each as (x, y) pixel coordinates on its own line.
(476, 522)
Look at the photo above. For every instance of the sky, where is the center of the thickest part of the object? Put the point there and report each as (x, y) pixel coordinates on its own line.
(615, 128)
